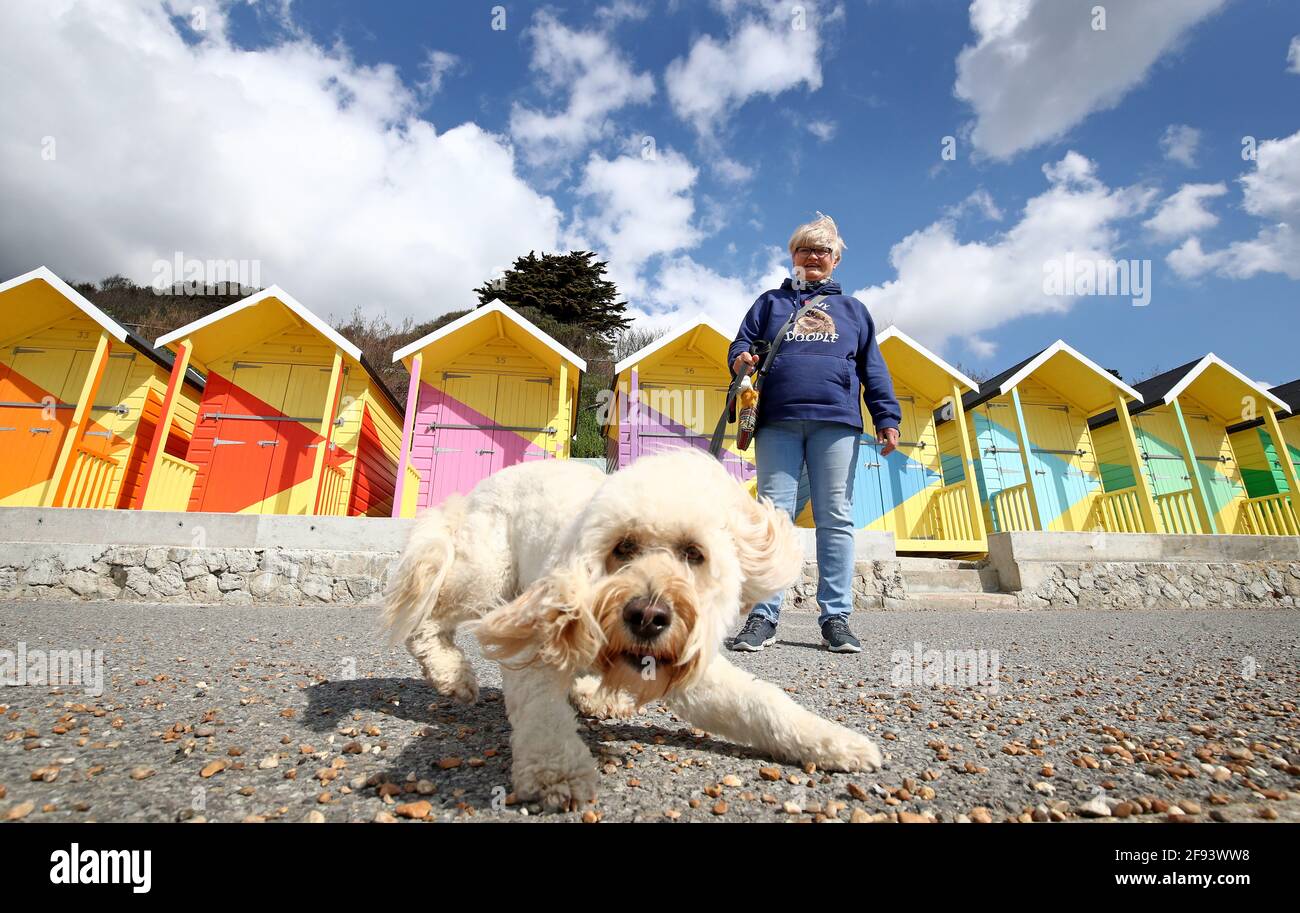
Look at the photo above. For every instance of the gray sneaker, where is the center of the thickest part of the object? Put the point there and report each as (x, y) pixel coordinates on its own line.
(837, 637)
(757, 633)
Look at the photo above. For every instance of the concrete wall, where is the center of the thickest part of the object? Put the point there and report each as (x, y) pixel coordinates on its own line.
(202, 530)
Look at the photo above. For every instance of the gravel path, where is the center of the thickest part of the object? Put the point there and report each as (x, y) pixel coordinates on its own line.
(226, 714)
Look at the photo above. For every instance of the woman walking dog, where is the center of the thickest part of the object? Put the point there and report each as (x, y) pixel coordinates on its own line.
(809, 414)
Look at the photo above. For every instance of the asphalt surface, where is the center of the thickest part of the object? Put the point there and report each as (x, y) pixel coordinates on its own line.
(257, 713)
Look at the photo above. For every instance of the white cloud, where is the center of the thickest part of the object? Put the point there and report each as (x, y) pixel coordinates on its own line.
(621, 11)
(947, 288)
(824, 130)
(980, 200)
(981, 348)
(766, 52)
(1293, 56)
(1179, 144)
(1038, 68)
(635, 208)
(1271, 192)
(683, 288)
(730, 170)
(293, 155)
(598, 80)
(1183, 213)
(436, 66)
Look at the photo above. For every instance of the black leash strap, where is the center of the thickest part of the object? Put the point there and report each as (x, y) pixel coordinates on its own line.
(715, 445)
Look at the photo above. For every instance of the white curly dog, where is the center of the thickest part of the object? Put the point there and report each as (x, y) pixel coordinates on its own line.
(610, 591)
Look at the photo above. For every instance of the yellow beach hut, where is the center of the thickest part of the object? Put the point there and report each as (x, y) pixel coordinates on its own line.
(79, 399)
(1260, 456)
(293, 419)
(670, 394)
(488, 390)
(1036, 461)
(925, 491)
(1188, 458)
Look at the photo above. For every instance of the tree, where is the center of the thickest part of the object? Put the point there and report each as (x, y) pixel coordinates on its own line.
(569, 288)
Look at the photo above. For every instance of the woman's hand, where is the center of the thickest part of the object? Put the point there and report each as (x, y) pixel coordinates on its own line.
(743, 361)
(888, 441)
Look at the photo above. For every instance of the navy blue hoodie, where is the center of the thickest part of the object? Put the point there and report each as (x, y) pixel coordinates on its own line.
(824, 361)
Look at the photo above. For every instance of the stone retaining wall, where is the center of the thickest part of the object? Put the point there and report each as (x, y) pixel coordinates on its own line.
(237, 576)
(290, 576)
(1173, 584)
(874, 582)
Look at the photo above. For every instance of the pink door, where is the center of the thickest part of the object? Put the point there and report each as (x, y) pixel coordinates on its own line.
(463, 449)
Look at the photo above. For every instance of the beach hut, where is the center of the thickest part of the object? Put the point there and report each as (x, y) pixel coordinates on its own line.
(924, 492)
(79, 399)
(293, 419)
(487, 390)
(671, 394)
(1262, 468)
(1182, 427)
(1036, 462)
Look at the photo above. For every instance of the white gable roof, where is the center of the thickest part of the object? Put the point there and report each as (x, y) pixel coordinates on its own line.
(284, 298)
(894, 331)
(1062, 346)
(495, 306)
(1211, 359)
(111, 326)
(671, 336)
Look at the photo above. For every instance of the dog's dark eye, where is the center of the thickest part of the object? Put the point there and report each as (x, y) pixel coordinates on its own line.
(693, 554)
(626, 549)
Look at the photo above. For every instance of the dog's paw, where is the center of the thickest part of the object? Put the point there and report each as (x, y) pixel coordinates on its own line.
(461, 686)
(599, 703)
(558, 790)
(849, 751)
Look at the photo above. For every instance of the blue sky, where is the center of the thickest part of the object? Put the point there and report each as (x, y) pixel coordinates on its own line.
(453, 147)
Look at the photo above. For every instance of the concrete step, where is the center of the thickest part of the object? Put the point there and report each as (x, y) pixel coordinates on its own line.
(955, 602)
(951, 580)
(919, 563)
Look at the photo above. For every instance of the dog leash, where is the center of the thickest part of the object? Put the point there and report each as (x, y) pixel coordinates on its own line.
(767, 351)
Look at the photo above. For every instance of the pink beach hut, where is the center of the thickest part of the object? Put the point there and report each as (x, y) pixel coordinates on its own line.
(487, 391)
(670, 394)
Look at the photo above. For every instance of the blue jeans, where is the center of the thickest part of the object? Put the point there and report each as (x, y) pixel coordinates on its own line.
(830, 450)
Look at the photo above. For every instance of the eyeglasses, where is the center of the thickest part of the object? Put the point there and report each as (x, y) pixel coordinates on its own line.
(820, 252)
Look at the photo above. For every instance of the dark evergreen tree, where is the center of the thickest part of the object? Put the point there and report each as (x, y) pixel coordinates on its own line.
(569, 288)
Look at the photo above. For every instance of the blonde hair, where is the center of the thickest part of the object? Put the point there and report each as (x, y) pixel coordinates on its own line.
(820, 232)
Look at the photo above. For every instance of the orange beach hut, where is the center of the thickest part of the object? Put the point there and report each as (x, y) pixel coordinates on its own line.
(293, 419)
(80, 397)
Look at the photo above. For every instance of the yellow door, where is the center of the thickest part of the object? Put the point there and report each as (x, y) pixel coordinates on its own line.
(523, 413)
(290, 489)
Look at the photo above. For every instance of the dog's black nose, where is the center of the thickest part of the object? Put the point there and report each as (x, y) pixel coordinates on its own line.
(646, 619)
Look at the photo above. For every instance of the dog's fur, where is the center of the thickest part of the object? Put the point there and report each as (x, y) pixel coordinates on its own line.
(633, 578)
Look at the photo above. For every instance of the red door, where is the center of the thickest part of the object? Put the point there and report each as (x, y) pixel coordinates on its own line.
(247, 437)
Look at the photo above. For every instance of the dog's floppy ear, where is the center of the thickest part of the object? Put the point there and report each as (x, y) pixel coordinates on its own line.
(550, 622)
(771, 556)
